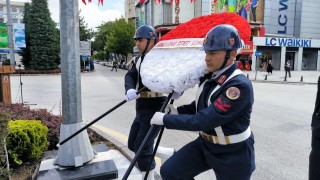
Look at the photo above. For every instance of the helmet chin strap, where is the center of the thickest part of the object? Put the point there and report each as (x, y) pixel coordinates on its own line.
(226, 58)
(145, 49)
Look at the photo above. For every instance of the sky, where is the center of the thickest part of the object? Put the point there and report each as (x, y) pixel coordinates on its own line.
(93, 14)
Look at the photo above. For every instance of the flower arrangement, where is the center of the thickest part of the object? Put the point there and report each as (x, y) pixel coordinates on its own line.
(176, 63)
(198, 27)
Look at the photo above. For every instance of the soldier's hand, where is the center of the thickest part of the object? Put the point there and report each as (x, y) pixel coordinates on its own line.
(131, 95)
(171, 109)
(157, 118)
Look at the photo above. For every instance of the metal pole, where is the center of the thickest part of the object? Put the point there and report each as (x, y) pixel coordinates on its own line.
(257, 60)
(79, 150)
(10, 34)
(21, 84)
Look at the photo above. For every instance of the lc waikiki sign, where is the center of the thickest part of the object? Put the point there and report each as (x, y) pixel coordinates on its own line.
(286, 42)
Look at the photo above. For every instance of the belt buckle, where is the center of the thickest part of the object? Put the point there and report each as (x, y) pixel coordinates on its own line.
(143, 94)
(207, 137)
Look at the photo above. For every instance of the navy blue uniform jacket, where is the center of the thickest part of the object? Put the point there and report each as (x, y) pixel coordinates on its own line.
(145, 107)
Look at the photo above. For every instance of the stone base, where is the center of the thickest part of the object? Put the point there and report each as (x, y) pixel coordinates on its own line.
(100, 167)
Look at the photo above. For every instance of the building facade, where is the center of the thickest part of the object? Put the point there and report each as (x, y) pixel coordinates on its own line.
(17, 12)
(281, 30)
(130, 10)
(292, 34)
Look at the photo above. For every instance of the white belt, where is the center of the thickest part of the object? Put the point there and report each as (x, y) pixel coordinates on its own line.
(227, 139)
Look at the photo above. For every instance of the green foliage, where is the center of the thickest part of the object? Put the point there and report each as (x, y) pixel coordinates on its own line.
(26, 141)
(101, 55)
(4, 119)
(120, 40)
(43, 37)
(101, 36)
(85, 33)
(18, 111)
(26, 51)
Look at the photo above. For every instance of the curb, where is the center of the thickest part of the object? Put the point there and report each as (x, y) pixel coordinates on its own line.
(120, 147)
(281, 82)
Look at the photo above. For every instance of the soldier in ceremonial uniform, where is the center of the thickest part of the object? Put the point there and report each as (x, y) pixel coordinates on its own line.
(314, 159)
(147, 102)
(221, 112)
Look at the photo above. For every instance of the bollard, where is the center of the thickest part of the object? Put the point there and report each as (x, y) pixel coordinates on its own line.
(266, 77)
(301, 79)
(248, 76)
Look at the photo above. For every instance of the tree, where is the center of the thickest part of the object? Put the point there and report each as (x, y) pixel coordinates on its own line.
(120, 40)
(43, 37)
(26, 51)
(101, 36)
(85, 32)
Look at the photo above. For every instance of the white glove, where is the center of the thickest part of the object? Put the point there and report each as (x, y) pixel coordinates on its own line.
(176, 95)
(131, 95)
(157, 118)
(171, 109)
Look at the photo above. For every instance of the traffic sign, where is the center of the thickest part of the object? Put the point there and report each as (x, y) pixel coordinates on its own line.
(85, 48)
(84, 58)
(258, 53)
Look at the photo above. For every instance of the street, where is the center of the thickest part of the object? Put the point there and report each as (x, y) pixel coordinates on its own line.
(280, 120)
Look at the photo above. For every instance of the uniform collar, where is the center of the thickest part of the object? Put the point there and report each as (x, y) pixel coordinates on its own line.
(223, 74)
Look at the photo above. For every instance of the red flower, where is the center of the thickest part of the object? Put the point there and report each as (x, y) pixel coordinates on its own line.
(198, 27)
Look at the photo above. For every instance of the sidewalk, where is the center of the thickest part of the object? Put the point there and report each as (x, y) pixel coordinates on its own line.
(307, 77)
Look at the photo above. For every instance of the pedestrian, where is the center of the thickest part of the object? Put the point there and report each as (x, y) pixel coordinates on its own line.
(314, 159)
(148, 103)
(287, 68)
(269, 67)
(250, 63)
(221, 112)
(114, 65)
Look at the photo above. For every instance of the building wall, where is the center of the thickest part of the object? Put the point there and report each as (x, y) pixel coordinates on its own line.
(129, 6)
(158, 14)
(279, 17)
(310, 24)
(17, 9)
(186, 11)
(202, 7)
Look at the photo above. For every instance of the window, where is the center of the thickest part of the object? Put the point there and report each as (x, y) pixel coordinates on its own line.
(14, 10)
(1, 11)
(14, 20)
(21, 10)
(167, 17)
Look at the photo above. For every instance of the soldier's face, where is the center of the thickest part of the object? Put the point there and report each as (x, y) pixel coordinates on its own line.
(142, 43)
(215, 59)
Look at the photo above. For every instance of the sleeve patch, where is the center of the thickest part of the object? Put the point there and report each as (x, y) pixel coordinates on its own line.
(222, 104)
(233, 93)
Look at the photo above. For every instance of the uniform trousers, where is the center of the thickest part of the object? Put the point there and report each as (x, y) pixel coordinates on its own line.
(229, 162)
(137, 134)
(314, 159)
